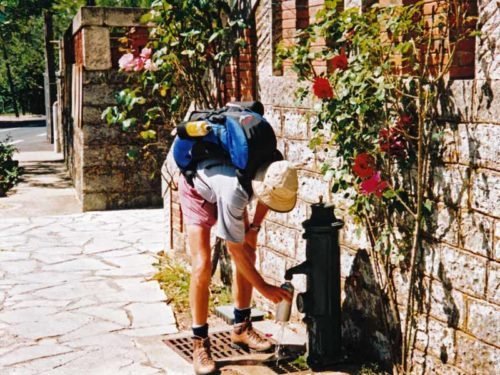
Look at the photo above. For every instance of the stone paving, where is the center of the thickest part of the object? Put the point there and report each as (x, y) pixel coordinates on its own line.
(75, 296)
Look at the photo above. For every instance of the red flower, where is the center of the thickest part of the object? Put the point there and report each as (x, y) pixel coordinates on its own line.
(404, 121)
(393, 142)
(364, 165)
(340, 61)
(374, 185)
(322, 89)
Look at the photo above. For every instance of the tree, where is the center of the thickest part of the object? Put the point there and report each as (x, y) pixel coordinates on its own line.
(21, 24)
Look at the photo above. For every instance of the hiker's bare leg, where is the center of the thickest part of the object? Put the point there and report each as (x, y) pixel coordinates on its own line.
(199, 244)
(242, 289)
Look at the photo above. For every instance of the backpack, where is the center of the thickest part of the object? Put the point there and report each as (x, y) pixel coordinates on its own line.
(238, 133)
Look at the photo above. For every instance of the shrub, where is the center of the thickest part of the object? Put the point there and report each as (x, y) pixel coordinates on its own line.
(10, 171)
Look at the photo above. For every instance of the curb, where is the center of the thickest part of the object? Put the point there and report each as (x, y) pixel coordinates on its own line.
(23, 123)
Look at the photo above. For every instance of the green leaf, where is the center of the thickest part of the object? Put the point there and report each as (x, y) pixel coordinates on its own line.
(145, 18)
(389, 193)
(129, 123)
(188, 52)
(133, 154)
(215, 35)
(428, 205)
(148, 135)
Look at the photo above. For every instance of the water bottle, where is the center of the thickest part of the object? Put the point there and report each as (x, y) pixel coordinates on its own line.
(197, 128)
(284, 308)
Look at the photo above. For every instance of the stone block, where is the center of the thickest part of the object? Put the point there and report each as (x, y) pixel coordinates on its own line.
(276, 217)
(493, 292)
(279, 91)
(496, 241)
(354, 235)
(476, 233)
(88, 16)
(485, 192)
(447, 304)
(96, 48)
(300, 254)
(483, 321)
(486, 102)
(274, 117)
(123, 17)
(280, 145)
(459, 105)
(312, 186)
(300, 155)
(272, 265)
(281, 239)
(487, 66)
(435, 337)
(296, 125)
(479, 145)
(476, 357)
(109, 77)
(446, 224)
(451, 184)
(463, 271)
(102, 135)
(425, 363)
(99, 95)
(110, 157)
(92, 115)
(346, 261)
(95, 182)
(297, 216)
(94, 201)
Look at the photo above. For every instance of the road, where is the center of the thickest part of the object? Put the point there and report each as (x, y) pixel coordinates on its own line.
(27, 138)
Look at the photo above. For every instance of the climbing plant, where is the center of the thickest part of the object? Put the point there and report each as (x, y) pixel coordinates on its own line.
(378, 116)
(190, 44)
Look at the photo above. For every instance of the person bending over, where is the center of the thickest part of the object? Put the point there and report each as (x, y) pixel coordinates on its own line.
(216, 197)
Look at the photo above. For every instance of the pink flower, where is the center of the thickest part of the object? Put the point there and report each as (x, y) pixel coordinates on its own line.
(374, 185)
(139, 64)
(146, 53)
(364, 165)
(322, 89)
(150, 66)
(127, 62)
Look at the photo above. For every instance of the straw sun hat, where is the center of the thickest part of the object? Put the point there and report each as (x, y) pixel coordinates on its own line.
(276, 186)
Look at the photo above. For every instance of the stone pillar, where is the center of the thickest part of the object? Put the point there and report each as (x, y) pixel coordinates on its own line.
(103, 176)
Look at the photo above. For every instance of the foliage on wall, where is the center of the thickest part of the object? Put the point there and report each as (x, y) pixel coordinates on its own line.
(190, 45)
(379, 117)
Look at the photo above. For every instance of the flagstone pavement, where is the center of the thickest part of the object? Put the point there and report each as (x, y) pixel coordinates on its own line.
(75, 296)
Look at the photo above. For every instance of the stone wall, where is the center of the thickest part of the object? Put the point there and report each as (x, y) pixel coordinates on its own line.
(104, 177)
(458, 328)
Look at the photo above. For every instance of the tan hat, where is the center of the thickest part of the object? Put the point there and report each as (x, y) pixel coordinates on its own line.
(276, 186)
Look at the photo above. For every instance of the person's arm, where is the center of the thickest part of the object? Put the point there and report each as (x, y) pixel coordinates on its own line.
(244, 264)
(253, 229)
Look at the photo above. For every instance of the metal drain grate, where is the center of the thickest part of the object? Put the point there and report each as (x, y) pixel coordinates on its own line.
(220, 343)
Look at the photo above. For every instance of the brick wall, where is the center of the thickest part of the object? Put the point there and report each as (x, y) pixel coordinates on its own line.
(103, 176)
(458, 328)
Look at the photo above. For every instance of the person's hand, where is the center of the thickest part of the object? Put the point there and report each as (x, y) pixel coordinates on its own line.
(276, 294)
(251, 238)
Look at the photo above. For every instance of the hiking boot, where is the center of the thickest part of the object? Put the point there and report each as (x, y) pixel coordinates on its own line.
(202, 359)
(244, 336)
